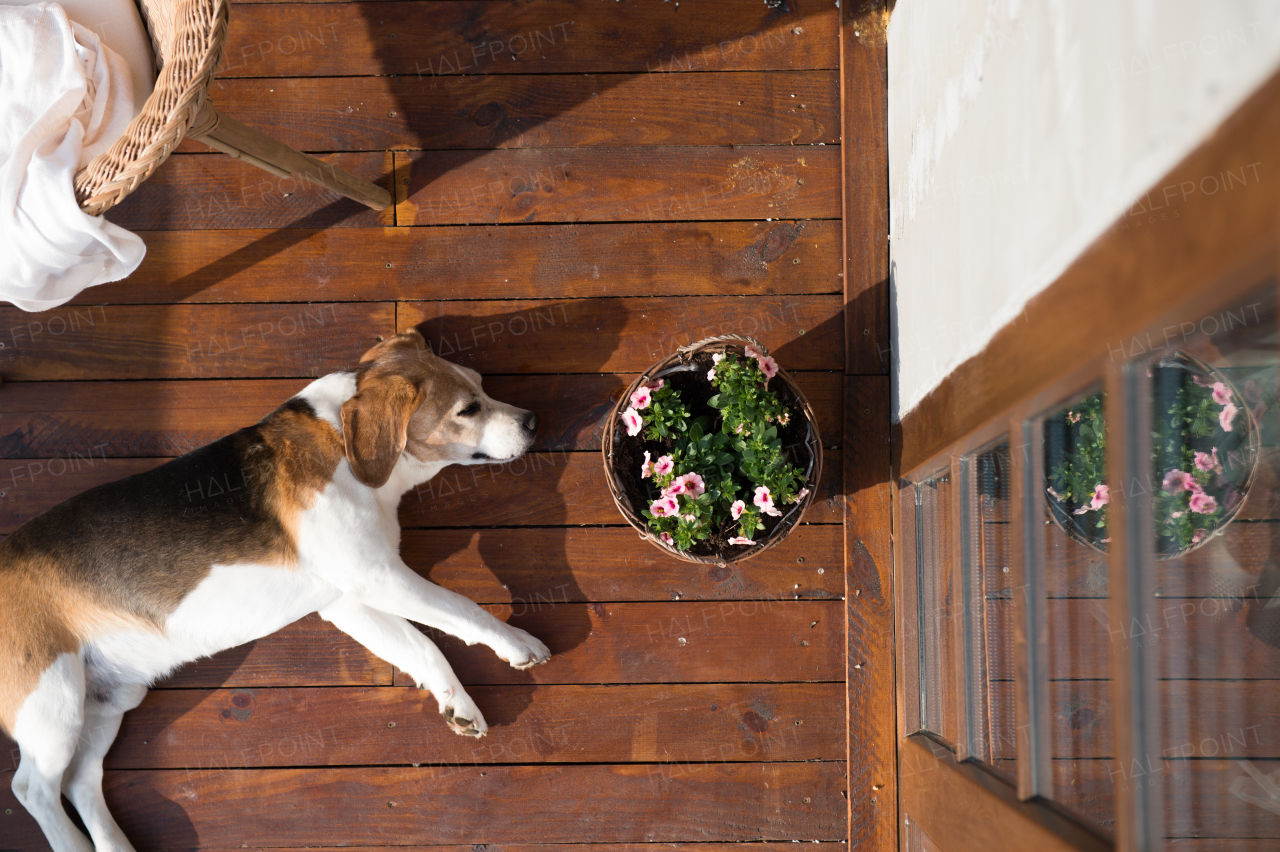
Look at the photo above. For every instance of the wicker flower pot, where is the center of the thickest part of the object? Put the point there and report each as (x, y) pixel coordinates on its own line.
(805, 451)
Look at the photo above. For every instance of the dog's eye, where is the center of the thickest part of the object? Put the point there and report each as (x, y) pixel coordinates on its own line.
(470, 411)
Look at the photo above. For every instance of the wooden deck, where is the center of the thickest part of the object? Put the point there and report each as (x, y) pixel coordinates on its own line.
(581, 187)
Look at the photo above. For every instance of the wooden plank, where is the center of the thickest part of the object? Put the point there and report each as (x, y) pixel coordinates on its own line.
(624, 335)
(30, 486)
(485, 805)
(537, 567)
(552, 489)
(189, 341)
(428, 39)
(554, 261)
(392, 806)
(869, 615)
(208, 731)
(1196, 638)
(519, 493)
(73, 420)
(619, 184)
(68, 420)
(726, 641)
(536, 111)
(212, 191)
(864, 97)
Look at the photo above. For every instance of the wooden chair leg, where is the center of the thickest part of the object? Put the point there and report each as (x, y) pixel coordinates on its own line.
(244, 143)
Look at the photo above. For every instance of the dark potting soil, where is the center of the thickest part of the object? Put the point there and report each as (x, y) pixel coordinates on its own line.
(695, 390)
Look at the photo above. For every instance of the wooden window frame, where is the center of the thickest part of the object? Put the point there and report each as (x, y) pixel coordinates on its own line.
(1216, 252)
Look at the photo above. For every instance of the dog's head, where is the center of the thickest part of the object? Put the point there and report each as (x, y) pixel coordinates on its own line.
(409, 402)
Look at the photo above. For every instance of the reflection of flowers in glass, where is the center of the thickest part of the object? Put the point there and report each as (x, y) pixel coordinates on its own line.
(1203, 504)
(1207, 462)
(1199, 536)
(1228, 414)
(1176, 481)
(1221, 393)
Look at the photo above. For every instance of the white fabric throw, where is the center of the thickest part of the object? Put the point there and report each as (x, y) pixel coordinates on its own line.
(64, 98)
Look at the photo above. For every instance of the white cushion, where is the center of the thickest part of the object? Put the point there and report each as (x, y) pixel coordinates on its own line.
(119, 24)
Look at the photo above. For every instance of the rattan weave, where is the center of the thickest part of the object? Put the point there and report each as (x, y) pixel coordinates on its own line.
(187, 37)
(683, 356)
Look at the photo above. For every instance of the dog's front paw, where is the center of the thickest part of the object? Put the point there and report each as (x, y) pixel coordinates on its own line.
(466, 721)
(525, 650)
(461, 713)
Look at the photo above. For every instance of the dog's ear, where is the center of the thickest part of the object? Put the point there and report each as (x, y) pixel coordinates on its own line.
(375, 424)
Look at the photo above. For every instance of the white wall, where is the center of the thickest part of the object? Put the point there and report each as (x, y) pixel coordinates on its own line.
(1020, 129)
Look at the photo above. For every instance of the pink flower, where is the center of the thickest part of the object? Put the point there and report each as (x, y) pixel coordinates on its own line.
(1198, 536)
(667, 539)
(1073, 417)
(675, 488)
(717, 358)
(1221, 393)
(737, 539)
(784, 418)
(1203, 504)
(641, 398)
(646, 469)
(695, 483)
(752, 352)
(656, 384)
(663, 465)
(1228, 414)
(1101, 496)
(664, 507)
(1204, 461)
(633, 421)
(764, 500)
(769, 366)
(798, 496)
(1055, 494)
(1176, 481)
(1176, 514)
(711, 374)
(737, 509)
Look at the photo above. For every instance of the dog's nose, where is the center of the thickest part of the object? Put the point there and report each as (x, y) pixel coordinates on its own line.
(530, 423)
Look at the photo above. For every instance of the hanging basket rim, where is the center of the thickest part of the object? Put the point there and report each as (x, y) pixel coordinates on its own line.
(680, 358)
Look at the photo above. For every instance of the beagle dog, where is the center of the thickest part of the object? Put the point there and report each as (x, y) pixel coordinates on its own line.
(118, 586)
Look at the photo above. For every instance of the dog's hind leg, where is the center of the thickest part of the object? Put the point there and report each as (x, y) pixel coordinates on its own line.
(105, 706)
(400, 643)
(47, 728)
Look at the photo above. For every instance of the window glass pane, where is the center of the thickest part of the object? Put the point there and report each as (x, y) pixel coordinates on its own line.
(1069, 513)
(989, 611)
(934, 575)
(1209, 619)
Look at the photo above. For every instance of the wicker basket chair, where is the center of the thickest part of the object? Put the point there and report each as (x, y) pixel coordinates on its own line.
(187, 38)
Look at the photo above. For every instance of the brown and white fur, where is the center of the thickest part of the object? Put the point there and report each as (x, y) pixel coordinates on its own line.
(118, 586)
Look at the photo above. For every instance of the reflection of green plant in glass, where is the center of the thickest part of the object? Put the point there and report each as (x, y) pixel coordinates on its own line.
(1201, 458)
(1080, 480)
